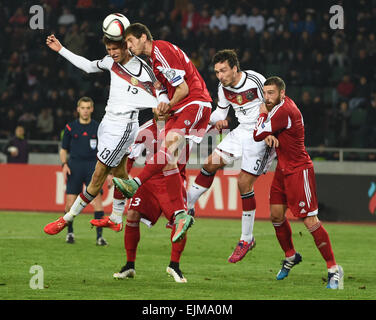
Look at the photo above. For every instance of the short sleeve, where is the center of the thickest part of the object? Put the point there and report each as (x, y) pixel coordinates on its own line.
(67, 137)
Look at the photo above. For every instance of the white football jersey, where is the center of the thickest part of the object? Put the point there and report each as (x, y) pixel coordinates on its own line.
(245, 98)
(131, 86)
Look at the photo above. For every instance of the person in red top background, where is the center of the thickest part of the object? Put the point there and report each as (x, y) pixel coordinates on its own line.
(294, 187)
(189, 107)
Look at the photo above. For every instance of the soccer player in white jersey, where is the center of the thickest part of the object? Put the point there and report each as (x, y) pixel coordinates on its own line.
(131, 88)
(243, 91)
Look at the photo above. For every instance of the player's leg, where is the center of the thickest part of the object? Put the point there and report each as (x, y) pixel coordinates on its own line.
(97, 204)
(204, 179)
(177, 249)
(247, 241)
(119, 201)
(255, 161)
(144, 205)
(225, 153)
(131, 239)
(284, 235)
(113, 153)
(92, 190)
(74, 186)
(174, 142)
(283, 232)
(69, 200)
(317, 230)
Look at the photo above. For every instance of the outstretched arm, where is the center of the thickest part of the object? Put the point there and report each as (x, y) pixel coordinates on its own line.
(80, 62)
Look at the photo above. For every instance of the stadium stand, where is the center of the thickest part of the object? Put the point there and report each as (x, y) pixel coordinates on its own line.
(329, 73)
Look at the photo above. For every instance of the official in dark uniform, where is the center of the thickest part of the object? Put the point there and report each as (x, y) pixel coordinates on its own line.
(80, 142)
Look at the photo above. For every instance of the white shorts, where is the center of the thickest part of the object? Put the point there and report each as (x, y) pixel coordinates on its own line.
(257, 157)
(114, 139)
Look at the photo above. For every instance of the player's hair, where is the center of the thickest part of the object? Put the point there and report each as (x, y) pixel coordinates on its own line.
(277, 81)
(85, 99)
(138, 29)
(228, 55)
(121, 43)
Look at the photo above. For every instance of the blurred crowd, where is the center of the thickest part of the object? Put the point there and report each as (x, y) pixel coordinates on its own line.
(329, 73)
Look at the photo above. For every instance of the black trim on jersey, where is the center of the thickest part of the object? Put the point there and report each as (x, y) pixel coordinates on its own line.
(245, 79)
(120, 145)
(101, 61)
(258, 82)
(264, 160)
(147, 69)
(223, 107)
(132, 74)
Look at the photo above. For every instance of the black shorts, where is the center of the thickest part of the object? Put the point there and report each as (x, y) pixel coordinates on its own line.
(81, 173)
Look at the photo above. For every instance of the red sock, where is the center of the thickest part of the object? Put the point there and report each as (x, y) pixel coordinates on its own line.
(248, 201)
(205, 178)
(177, 247)
(322, 242)
(284, 233)
(155, 164)
(174, 185)
(131, 239)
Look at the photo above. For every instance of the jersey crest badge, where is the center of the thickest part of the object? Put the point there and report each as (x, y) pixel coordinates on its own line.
(93, 143)
(134, 81)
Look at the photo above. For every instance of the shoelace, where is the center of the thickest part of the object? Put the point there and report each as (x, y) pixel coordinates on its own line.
(334, 276)
(288, 264)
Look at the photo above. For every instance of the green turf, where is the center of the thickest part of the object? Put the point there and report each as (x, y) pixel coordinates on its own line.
(84, 271)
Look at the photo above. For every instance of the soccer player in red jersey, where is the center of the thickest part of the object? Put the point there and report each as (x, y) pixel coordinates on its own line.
(189, 107)
(151, 199)
(294, 187)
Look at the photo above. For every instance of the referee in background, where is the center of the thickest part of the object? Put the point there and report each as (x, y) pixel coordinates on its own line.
(80, 142)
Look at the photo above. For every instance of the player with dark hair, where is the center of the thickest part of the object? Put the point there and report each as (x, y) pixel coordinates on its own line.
(189, 109)
(131, 89)
(294, 187)
(243, 91)
(80, 143)
(151, 199)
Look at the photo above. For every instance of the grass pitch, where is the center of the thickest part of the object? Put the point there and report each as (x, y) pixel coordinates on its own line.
(83, 271)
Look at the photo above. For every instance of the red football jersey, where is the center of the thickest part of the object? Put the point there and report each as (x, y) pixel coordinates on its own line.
(171, 67)
(148, 139)
(286, 123)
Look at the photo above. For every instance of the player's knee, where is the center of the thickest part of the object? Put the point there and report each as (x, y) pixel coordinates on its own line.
(276, 214)
(310, 221)
(245, 182)
(213, 163)
(133, 215)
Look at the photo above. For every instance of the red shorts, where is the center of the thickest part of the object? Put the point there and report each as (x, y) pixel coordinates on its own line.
(297, 191)
(191, 121)
(151, 199)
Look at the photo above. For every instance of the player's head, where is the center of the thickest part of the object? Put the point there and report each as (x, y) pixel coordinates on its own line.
(274, 91)
(226, 67)
(85, 107)
(116, 49)
(137, 35)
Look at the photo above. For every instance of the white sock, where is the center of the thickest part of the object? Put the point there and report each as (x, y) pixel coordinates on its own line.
(76, 209)
(248, 219)
(193, 194)
(118, 206)
(333, 269)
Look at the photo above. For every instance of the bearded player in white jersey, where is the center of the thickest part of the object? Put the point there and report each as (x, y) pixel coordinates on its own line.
(243, 91)
(131, 89)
